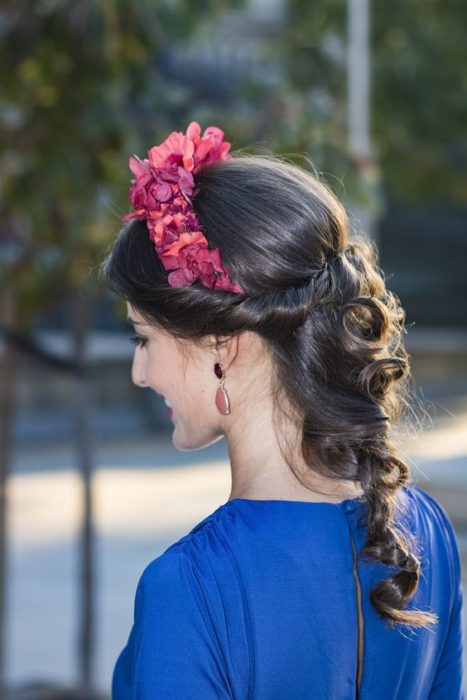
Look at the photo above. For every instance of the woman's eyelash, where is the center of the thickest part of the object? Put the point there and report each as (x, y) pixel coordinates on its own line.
(138, 340)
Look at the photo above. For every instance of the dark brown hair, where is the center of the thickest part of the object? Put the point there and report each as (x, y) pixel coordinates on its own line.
(318, 298)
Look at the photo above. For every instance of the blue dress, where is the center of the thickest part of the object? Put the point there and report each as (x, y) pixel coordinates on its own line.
(262, 600)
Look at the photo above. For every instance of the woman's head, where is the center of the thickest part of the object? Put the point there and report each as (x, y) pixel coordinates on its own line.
(316, 308)
(276, 226)
(183, 373)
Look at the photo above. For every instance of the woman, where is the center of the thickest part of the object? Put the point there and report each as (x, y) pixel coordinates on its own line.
(326, 574)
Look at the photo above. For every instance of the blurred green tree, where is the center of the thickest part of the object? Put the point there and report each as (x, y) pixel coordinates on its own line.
(420, 98)
(418, 93)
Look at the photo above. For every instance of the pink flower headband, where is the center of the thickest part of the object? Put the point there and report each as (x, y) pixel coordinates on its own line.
(161, 194)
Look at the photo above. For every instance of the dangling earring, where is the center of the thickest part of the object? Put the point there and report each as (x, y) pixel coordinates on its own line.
(222, 400)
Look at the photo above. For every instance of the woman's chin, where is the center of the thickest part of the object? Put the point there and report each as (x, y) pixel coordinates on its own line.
(193, 442)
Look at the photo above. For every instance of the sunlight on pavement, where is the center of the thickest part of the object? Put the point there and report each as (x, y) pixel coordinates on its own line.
(45, 508)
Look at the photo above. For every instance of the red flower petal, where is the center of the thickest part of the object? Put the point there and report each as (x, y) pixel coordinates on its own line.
(196, 237)
(163, 192)
(181, 278)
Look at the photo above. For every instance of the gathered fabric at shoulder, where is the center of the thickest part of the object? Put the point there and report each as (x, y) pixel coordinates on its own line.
(171, 651)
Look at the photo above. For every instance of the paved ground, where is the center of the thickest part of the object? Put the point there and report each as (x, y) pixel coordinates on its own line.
(146, 496)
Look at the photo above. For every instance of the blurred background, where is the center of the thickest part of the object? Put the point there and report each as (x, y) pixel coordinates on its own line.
(375, 94)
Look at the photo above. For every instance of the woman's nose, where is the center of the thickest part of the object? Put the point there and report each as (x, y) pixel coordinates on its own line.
(138, 372)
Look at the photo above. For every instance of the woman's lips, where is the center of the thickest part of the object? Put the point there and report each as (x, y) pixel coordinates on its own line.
(169, 408)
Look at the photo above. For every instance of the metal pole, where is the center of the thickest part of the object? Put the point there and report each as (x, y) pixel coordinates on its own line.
(358, 64)
(358, 98)
(8, 364)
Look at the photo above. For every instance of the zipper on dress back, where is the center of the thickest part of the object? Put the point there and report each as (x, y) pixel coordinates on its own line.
(360, 620)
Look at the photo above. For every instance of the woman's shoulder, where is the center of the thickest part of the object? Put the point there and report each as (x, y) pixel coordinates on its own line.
(433, 528)
(211, 558)
(429, 507)
(195, 580)
(185, 561)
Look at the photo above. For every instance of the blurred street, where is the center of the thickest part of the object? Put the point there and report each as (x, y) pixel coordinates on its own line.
(147, 495)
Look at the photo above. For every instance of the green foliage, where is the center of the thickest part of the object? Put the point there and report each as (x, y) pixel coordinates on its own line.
(419, 92)
(81, 90)
(420, 97)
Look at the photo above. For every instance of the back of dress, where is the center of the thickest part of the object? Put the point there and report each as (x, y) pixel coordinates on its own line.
(266, 600)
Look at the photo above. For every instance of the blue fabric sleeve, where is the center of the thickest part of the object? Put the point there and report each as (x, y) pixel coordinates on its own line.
(175, 651)
(448, 683)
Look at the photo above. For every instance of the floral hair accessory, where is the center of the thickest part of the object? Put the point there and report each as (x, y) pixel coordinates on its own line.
(162, 192)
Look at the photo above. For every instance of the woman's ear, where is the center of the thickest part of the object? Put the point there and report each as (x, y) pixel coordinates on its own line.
(224, 348)
(245, 347)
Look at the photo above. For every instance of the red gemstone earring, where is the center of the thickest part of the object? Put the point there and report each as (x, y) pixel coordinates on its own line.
(222, 400)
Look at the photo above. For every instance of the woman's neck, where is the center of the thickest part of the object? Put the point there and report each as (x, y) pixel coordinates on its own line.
(260, 471)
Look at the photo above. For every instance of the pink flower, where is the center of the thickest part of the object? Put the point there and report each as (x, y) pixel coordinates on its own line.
(182, 277)
(186, 243)
(165, 231)
(186, 182)
(192, 150)
(161, 193)
(177, 148)
(211, 148)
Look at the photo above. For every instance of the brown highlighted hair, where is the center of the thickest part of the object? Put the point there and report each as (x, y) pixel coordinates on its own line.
(334, 331)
